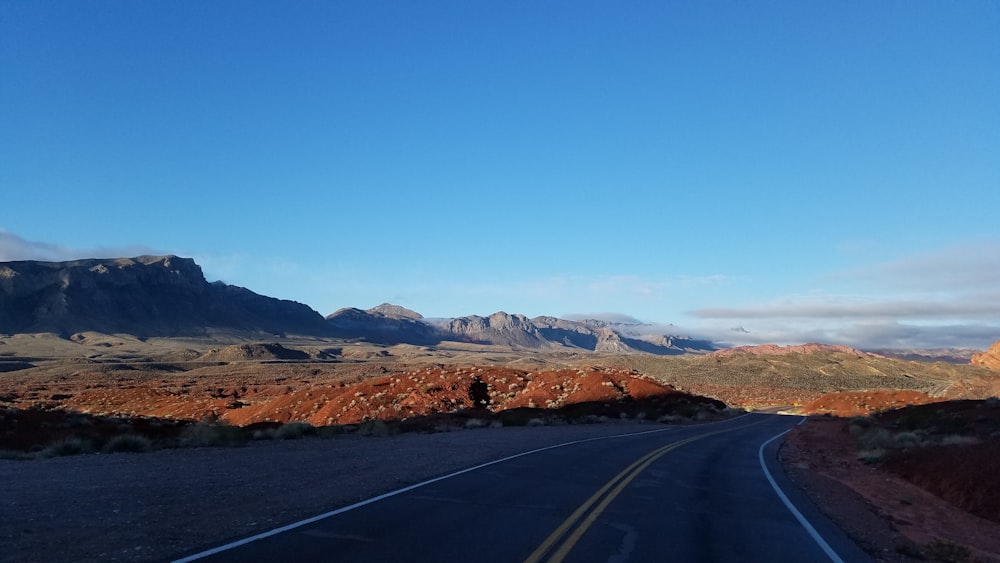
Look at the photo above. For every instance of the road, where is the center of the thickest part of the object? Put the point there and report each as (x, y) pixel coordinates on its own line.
(693, 493)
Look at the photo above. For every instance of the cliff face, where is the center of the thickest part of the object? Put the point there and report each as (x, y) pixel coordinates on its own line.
(498, 329)
(989, 358)
(144, 296)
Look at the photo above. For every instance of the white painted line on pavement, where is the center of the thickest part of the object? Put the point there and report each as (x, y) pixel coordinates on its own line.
(409, 488)
(791, 507)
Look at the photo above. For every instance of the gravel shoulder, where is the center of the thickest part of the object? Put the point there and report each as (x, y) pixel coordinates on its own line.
(163, 504)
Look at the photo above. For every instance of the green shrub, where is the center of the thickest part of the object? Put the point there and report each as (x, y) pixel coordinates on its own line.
(128, 443)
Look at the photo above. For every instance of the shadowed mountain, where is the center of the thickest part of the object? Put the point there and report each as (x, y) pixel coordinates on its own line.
(144, 296)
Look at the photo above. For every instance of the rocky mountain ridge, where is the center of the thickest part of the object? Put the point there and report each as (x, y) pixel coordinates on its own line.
(144, 296)
(394, 324)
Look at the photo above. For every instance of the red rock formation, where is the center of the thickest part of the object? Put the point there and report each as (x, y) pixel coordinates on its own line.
(989, 358)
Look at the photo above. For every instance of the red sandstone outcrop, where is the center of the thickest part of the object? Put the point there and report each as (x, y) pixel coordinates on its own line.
(989, 358)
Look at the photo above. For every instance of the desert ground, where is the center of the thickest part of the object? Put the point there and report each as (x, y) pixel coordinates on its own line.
(95, 392)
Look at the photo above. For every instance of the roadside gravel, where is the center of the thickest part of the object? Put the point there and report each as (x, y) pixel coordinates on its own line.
(159, 505)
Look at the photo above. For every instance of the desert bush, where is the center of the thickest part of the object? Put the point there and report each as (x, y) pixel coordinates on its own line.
(907, 440)
(875, 438)
(687, 410)
(959, 440)
(294, 430)
(211, 434)
(496, 424)
(134, 443)
(476, 423)
(67, 446)
(536, 422)
(859, 424)
(871, 455)
(15, 455)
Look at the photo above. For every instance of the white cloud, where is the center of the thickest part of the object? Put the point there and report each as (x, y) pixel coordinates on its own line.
(937, 299)
(13, 247)
(975, 306)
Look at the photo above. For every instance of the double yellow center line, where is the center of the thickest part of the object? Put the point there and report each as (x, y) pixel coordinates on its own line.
(584, 516)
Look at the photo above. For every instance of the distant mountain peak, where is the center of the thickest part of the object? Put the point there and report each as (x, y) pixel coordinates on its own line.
(395, 312)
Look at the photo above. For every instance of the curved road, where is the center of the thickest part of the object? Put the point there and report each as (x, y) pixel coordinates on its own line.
(693, 493)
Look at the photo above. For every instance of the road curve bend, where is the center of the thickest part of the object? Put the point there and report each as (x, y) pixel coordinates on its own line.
(712, 492)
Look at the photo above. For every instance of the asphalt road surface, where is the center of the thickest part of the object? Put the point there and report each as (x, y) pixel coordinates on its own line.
(694, 493)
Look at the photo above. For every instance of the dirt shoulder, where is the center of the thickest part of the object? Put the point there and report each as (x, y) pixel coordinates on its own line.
(887, 516)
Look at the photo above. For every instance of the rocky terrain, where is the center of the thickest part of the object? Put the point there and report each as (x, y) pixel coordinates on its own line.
(144, 353)
(926, 476)
(990, 358)
(144, 296)
(326, 383)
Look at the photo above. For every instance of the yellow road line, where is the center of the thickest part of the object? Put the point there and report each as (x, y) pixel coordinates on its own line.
(616, 485)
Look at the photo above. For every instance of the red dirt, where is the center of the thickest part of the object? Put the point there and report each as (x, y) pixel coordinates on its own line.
(861, 403)
(442, 390)
(919, 520)
(321, 400)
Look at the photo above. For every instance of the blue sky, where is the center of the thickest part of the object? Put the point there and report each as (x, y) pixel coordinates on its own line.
(806, 171)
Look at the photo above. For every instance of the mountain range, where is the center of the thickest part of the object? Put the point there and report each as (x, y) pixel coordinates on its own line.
(149, 296)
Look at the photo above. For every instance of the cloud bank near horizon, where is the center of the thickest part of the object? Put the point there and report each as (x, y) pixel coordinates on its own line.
(939, 299)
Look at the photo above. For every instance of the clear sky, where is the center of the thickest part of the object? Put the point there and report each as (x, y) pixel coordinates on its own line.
(808, 171)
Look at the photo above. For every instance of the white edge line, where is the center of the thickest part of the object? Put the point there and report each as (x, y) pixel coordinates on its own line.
(409, 488)
(791, 507)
